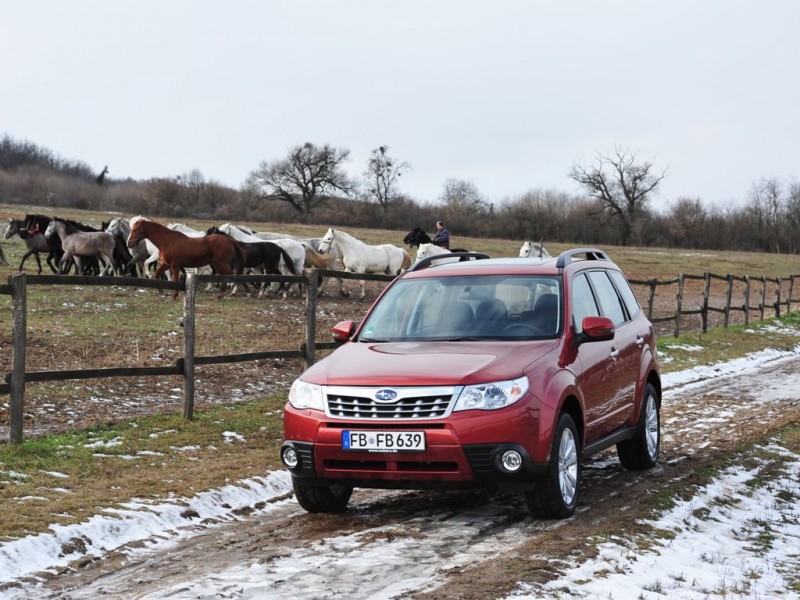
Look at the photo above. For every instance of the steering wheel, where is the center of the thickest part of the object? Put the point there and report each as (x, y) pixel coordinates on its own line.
(526, 326)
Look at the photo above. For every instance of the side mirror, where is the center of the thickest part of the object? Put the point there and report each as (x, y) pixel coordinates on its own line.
(343, 331)
(597, 329)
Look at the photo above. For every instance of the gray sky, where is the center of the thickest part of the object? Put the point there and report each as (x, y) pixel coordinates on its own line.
(505, 94)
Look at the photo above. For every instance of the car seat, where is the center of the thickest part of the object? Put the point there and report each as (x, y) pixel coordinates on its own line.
(491, 315)
(458, 316)
(544, 316)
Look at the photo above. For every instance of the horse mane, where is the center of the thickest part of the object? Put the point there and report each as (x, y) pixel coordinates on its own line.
(416, 236)
(75, 225)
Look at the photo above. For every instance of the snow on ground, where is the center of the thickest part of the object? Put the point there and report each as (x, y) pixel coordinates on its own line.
(730, 541)
(733, 540)
(139, 520)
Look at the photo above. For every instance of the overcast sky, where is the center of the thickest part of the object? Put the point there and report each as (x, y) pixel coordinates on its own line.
(505, 94)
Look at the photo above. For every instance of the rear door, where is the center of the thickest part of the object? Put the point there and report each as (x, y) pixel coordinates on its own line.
(624, 354)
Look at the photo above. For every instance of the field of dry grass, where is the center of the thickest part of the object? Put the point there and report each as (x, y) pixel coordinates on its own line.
(75, 327)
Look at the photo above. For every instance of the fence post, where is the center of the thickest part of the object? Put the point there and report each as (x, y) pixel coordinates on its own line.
(311, 316)
(728, 298)
(791, 291)
(19, 318)
(680, 305)
(763, 295)
(704, 308)
(188, 346)
(778, 299)
(651, 299)
(746, 300)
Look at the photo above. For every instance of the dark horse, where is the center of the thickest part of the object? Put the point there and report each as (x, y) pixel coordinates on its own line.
(179, 251)
(34, 242)
(416, 236)
(263, 256)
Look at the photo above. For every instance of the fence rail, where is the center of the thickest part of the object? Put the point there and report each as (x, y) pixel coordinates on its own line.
(775, 286)
(14, 382)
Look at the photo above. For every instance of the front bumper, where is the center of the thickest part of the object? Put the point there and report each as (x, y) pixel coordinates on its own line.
(463, 449)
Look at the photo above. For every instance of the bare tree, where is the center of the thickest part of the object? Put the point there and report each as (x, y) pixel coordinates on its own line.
(195, 184)
(382, 174)
(305, 179)
(622, 185)
(767, 211)
(793, 216)
(686, 221)
(462, 196)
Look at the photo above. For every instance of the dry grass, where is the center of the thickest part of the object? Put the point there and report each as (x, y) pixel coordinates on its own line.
(87, 327)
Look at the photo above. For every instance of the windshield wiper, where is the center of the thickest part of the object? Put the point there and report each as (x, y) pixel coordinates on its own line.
(370, 340)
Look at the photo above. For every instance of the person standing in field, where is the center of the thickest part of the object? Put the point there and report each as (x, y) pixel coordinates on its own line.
(442, 236)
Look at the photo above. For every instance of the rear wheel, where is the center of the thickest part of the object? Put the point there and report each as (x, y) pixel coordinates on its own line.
(641, 452)
(324, 499)
(556, 496)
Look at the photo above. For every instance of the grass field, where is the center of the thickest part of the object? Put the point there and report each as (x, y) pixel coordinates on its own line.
(106, 460)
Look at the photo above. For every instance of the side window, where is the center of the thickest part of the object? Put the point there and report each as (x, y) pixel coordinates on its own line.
(610, 304)
(624, 288)
(583, 304)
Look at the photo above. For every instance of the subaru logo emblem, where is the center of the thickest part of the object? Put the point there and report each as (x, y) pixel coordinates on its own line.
(385, 395)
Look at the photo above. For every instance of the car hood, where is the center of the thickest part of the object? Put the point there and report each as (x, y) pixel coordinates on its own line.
(427, 363)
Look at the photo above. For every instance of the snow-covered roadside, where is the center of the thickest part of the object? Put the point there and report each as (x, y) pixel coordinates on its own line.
(157, 525)
(733, 540)
(138, 521)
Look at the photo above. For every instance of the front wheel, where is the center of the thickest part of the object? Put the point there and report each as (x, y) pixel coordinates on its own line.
(322, 499)
(556, 496)
(641, 452)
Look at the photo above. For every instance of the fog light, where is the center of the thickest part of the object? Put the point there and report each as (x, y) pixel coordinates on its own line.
(290, 458)
(511, 461)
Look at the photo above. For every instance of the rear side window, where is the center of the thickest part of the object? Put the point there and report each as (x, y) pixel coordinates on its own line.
(583, 304)
(624, 289)
(610, 303)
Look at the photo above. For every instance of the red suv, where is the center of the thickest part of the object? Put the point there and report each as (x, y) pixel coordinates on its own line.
(499, 372)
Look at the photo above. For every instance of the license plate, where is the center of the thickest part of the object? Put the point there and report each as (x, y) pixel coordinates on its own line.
(384, 441)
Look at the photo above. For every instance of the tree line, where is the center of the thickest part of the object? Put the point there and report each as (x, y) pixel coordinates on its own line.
(619, 205)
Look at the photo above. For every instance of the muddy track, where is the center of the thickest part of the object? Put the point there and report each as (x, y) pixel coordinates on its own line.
(440, 545)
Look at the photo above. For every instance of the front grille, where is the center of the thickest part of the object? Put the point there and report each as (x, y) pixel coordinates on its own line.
(411, 404)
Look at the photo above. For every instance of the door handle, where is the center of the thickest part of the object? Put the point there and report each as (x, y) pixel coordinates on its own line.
(639, 340)
(614, 353)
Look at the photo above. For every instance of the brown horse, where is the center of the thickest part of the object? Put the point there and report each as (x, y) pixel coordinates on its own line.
(178, 251)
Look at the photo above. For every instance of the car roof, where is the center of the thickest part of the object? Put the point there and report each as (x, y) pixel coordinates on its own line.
(549, 265)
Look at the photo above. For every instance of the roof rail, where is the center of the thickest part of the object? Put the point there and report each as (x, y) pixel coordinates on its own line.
(424, 263)
(591, 254)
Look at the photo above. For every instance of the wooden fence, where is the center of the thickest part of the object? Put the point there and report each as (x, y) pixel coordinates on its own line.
(781, 292)
(14, 383)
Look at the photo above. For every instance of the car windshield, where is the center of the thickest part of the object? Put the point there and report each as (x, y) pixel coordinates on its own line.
(502, 307)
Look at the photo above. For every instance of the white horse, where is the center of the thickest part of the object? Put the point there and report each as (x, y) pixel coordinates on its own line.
(425, 250)
(358, 257)
(186, 230)
(533, 250)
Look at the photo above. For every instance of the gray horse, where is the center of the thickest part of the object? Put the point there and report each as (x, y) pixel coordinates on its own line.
(81, 244)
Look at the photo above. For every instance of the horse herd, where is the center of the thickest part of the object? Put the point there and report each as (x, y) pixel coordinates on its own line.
(142, 247)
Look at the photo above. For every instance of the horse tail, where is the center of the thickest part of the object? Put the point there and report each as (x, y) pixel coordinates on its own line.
(406, 260)
(287, 260)
(317, 259)
(238, 262)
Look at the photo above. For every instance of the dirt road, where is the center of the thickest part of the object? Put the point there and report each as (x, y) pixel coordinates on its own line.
(434, 545)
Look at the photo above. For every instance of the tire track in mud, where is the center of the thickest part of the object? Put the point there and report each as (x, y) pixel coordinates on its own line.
(439, 545)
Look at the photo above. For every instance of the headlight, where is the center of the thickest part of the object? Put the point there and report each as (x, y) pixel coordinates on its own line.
(491, 396)
(306, 395)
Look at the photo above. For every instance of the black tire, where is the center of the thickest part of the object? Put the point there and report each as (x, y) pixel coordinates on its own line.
(556, 496)
(641, 452)
(322, 499)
